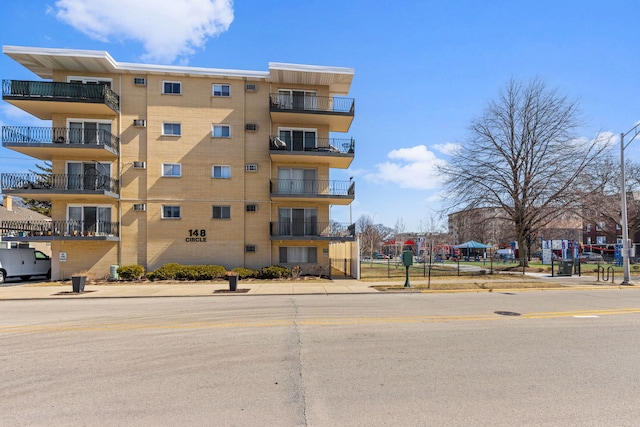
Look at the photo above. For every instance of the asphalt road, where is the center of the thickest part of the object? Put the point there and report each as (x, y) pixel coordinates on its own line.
(569, 359)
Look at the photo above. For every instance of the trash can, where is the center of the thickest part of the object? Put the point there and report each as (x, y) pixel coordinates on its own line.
(233, 283)
(77, 283)
(113, 273)
(565, 268)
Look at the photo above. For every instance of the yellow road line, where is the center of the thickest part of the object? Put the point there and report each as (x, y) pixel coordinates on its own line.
(343, 321)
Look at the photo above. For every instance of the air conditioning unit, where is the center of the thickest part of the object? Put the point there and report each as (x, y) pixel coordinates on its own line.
(140, 165)
(139, 207)
(252, 127)
(139, 81)
(251, 87)
(140, 123)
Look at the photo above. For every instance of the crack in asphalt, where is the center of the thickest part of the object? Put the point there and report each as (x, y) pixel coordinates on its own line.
(302, 391)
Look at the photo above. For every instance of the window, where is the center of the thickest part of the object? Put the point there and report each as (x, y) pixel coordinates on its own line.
(250, 248)
(171, 169)
(172, 88)
(297, 99)
(221, 90)
(618, 227)
(251, 167)
(297, 181)
(89, 220)
(221, 172)
(299, 139)
(301, 254)
(89, 176)
(588, 240)
(171, 129)
(252, 208)
(600, 226)
(170, 212)
(221, 131)
(221, 212)
(139, 81)
(588, 226)
(601, 240)
(87, 132)
(297, 222)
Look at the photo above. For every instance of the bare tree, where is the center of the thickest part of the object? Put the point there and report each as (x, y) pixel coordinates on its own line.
(371, 235)
(600, 186)
(523, 157)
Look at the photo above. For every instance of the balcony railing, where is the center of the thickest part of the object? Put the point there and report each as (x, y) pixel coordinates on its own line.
(311, 229)
(59, 229)
(310, 103)
(67, 136)
(312, 187)
(67, 182)
(61, 91)
(326, 145)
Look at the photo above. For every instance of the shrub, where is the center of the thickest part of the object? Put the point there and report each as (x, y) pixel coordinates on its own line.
(131, 272)
(243, 273)
(275, 272)
(173, 271)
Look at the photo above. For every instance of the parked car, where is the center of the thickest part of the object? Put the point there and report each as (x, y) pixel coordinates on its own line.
(379, 255)
(590, 257)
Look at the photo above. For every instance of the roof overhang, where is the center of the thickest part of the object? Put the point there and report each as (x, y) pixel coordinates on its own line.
(337, 78)
(43, 61)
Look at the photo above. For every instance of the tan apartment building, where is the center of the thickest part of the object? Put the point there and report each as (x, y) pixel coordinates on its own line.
(156, 164)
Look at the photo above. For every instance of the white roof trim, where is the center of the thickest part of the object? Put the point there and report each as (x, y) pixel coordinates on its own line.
(43, 62)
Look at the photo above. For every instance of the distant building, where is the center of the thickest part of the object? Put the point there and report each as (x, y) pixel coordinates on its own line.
(14, 218)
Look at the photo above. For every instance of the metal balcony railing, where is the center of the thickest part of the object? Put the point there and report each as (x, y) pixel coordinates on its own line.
(67, 182)
(68, 228)
(45, 135)
(310, 228)
(61, 91)
(326, 145)
(311, 103)
(312, 187)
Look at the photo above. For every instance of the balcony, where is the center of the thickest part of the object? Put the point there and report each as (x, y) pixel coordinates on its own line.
(337, 152)
(42, 99)
(45, 143)
(304, 109)
(91, 186)
(333, 192)
(44, 230)
(312, 230)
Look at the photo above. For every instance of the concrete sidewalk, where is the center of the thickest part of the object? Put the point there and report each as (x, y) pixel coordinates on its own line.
(34, 290)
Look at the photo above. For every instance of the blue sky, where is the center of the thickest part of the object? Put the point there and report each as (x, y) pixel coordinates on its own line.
(423, 70)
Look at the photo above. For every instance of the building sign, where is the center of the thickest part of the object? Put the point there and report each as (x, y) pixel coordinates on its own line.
(196, 236)
(62, 256)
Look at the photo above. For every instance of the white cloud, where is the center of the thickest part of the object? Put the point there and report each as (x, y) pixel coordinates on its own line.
(447, 148)
(413, 168)
(167, 30)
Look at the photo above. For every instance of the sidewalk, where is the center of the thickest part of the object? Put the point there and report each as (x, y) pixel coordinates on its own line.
(34, 290)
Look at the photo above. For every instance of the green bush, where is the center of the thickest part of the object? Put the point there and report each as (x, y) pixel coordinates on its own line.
(243, 273)
(275, 272)
(173, 271)
(131, 272)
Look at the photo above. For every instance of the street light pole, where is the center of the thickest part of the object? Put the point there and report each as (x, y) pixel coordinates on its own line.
(626, 250)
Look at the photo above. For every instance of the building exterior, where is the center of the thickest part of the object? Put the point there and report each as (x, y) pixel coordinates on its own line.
(157, 164)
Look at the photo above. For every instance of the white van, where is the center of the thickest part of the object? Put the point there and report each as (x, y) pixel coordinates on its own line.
(23, 263)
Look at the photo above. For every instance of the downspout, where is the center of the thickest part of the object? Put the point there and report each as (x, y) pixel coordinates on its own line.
(119, 169)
